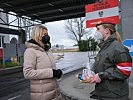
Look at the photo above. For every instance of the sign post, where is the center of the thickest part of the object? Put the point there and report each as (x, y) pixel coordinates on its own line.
(99, 11)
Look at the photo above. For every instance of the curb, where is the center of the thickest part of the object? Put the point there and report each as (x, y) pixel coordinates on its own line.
(66, 96)
(12, 70)
(131, 85)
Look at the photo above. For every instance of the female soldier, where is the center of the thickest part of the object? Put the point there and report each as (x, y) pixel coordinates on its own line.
(40, 68)
(112, 65)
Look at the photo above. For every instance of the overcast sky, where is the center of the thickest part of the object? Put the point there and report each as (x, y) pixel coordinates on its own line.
(58, 33)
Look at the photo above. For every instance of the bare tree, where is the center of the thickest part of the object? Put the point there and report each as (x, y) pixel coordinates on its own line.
(76, 28)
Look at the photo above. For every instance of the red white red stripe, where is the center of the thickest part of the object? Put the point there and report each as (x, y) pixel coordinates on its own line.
(125, 68)
(92, 23)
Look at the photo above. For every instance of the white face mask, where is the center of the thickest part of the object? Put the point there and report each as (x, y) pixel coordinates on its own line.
(98, 35)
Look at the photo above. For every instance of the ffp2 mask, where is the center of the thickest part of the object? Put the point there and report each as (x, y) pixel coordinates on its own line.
(98, 35)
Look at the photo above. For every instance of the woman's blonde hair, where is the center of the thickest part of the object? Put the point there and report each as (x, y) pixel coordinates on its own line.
(113, 30)
(37, 32)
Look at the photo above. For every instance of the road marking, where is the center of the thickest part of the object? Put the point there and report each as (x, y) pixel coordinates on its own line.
(14, 97)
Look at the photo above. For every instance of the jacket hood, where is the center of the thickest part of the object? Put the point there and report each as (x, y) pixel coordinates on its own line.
(33, 44)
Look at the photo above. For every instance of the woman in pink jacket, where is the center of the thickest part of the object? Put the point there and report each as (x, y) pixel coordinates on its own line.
(39, 66)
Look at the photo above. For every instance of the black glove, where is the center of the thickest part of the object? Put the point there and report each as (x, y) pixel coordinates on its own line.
(57, 73)
(47, 46)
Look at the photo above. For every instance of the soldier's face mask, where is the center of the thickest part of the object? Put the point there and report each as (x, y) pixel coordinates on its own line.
(98, 35)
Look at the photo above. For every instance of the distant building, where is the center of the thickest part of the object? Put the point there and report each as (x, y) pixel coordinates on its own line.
(4, 38)
(57, 47)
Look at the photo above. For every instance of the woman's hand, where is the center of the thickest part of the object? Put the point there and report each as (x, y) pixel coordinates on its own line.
(95, 79)
(57, 73)
(88, 79)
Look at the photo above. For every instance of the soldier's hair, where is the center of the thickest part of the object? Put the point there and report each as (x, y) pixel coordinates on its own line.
(112, 30)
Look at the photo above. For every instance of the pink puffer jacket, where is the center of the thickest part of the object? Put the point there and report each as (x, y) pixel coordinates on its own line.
(37, 67)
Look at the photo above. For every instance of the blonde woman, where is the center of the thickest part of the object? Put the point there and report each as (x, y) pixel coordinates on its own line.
(112, 65)
(39, 66)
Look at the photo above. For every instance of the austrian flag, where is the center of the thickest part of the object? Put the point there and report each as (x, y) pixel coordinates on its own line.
(125, 67)
(99, 11)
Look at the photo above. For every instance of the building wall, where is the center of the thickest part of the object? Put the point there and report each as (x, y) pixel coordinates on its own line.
(5, 19)
(127, 18)
(127, 24)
